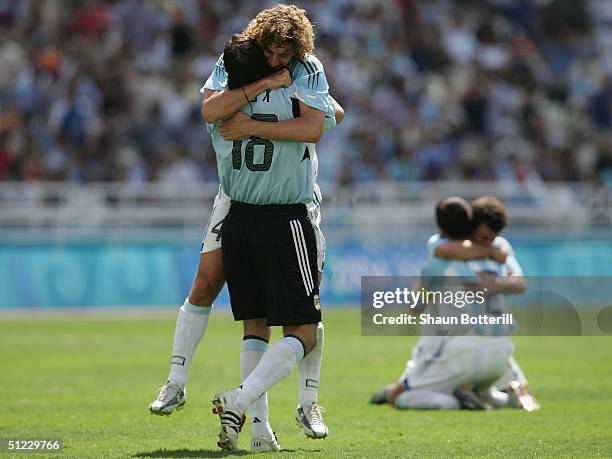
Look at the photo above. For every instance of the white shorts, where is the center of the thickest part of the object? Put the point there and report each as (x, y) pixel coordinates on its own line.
(441, 364)
(314, 215)
(212, 234)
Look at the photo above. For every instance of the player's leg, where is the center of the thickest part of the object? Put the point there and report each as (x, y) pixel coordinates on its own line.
(309, 412)
(255, 341)
(421, 399)
(511, 389)
(490, 356)
(513, 372)
(284, 256)
(309, 371)
(435, 370)
(247, 306)
(424, 353)
(287, 252)
(193, 315)
(277, 363)
(191, 325)
(502, 398)
(274, 365)
(189, 331)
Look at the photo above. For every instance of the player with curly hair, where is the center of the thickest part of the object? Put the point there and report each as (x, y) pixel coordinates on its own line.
(286, 37)
(284, 26)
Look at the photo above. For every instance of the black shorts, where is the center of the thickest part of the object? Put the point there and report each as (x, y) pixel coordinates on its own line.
(270, 262)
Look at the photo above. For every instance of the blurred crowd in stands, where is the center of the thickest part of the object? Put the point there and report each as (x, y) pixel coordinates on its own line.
(510, 90)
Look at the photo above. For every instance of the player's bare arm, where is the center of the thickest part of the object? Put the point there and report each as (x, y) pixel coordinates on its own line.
(308, 127)
(217, 105)
(510, 285)
(339, 111)
(240, 118)
(466, 250)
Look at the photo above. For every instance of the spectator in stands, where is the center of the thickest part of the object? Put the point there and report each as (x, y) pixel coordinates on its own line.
(437, 90)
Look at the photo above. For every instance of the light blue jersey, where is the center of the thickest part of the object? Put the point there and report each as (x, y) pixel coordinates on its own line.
(467, 272)
(309, 83)
(496, 305)
(440, 275)
(261, 171)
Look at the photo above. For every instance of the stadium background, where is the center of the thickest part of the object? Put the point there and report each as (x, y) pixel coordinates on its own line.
(107, 174)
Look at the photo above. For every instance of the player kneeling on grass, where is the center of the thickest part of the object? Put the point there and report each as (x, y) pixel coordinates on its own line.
(489, 220)
(447, 372)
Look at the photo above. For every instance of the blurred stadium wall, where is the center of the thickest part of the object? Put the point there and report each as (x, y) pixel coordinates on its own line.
(100, 244)
(107, 174)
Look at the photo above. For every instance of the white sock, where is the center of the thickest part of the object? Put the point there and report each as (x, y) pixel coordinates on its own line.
(190, 327)
(253, 350)
(496, 398)
(310, 371)
(422, 399)
(276, 364)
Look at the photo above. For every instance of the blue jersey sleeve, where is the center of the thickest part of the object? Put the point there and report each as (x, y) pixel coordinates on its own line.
(501, 242)
(433, 242)
(514, 267)
(217, 81)
(330, 123)
(310, 84)
(330, 115)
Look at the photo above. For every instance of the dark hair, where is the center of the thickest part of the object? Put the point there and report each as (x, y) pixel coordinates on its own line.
(244, 61)
(490, 211)
(454, 217)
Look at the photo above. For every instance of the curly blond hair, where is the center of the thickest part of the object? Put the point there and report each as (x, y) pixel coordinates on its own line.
(283, 26)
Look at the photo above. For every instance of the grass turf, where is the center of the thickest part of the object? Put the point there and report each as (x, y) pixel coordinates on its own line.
(89, 381)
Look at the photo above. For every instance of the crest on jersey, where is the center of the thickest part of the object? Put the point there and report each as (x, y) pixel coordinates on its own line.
(317, 303)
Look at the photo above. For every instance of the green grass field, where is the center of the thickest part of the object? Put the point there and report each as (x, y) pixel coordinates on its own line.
(89, 381)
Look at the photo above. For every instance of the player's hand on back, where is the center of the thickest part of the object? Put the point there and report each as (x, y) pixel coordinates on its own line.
(236, 127)
(279, 79)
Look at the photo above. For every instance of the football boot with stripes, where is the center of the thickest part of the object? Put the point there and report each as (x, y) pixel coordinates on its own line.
(231, 417)
(261, 443)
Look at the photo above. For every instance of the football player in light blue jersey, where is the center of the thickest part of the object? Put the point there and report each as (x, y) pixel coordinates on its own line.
(285, 34)
(243, 184)
(284, 163)
(209, 279)
(444, 362)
